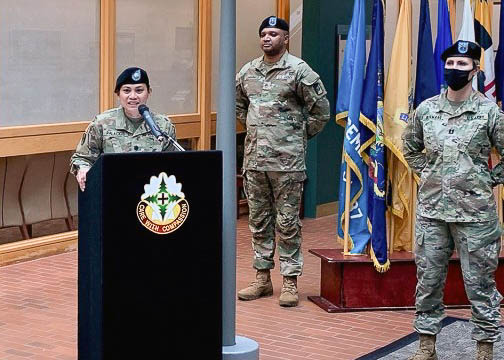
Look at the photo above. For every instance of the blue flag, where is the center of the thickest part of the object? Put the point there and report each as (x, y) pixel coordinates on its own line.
(348, 113)
(372, 140)
(443, 40)
(426, 80)
(499, 59)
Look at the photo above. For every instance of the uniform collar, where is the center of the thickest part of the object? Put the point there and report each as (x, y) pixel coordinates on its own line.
(282, 63)
(469, 105)
(123, 123)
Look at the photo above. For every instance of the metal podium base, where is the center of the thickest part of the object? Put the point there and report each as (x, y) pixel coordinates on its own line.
(244, 349)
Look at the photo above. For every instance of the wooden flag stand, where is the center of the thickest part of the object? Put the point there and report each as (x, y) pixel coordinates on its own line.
(351, 283)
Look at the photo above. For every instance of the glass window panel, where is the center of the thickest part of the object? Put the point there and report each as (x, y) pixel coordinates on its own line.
(296, 27)
(46, 75)
(161, 36)
(249, 15)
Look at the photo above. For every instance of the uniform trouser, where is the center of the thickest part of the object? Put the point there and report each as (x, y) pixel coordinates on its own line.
(274, 199)
(478, 246)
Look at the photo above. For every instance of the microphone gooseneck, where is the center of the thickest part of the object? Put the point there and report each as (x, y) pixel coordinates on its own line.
(154, 128)
(144, 111)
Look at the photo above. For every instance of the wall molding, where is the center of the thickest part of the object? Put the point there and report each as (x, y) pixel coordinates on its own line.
(35, 248)
(326, 209)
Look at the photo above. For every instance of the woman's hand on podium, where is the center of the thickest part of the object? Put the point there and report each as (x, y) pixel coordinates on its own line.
(81, 177)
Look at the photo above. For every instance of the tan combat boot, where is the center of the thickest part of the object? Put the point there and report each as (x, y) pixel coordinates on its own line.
(427, 348)
(484, 351)
(261, 286)
(289, 294)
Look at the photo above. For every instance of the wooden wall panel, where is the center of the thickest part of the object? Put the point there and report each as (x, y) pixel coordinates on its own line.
(283, 9)
(107, 53)
(205, 72)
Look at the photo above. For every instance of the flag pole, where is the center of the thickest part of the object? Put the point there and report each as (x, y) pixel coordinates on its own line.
(234, 347)
(413, 201)
(347, 207)
(501, 204)
(391, 213)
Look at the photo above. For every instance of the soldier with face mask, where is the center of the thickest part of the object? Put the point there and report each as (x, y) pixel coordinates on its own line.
(456, 207)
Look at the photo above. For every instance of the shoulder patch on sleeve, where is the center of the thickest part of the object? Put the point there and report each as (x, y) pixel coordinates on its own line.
(318, 88)
(310, 78)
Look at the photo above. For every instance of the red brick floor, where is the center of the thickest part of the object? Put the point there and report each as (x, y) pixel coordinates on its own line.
(38, 310)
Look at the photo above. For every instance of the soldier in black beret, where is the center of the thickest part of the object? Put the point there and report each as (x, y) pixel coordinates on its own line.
(463, 48)
(122, 129)
(274, 22)
(282, 103)
(447, 143)
(459, 70)
(132, 75)
(274, 35)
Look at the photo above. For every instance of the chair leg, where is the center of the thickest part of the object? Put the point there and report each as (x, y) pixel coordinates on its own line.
(239, 186)
(69, 223)
(26, 231)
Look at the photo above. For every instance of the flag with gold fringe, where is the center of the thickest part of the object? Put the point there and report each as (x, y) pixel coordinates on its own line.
(483, 35)
(372, 148)
(347, 114)
(397, 106)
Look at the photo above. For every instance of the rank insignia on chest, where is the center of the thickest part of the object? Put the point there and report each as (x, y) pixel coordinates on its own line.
(267, 85)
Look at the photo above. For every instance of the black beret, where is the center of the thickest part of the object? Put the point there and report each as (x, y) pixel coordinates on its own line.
(274, 22)
(132, 75)
(464, 49)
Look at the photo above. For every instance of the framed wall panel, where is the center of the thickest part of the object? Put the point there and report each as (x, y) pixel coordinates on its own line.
(46, 76)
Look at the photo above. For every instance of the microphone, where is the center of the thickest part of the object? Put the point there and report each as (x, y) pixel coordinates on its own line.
(144, 111)
(160, 135)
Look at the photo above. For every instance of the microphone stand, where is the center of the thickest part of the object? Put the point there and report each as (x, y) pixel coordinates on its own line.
(172, 140)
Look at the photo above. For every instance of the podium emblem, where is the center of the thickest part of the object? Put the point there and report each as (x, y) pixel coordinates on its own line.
(162, 208)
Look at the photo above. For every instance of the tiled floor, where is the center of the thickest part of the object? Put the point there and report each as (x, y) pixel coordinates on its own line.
(38, 311)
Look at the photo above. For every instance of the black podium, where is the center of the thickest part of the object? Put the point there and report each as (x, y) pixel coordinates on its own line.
(150, 244)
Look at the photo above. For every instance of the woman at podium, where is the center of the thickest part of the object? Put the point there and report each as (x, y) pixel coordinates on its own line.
(123, 129)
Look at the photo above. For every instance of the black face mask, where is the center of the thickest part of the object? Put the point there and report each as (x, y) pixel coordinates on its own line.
(456, 79)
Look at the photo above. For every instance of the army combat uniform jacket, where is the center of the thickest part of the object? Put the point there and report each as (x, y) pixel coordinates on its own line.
(113, 132)
(456, 182)
(282, 107)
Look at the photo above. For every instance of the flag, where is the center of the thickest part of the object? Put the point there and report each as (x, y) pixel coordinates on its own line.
(443, 40)
(483, 33)
(347, 114)
(467, 30)
(372, 148)
(397, 104)
(499, 59)
(425, 86)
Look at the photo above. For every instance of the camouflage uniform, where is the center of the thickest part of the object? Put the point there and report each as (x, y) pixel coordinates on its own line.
(113, 132)
(282, 106)
(456, 206)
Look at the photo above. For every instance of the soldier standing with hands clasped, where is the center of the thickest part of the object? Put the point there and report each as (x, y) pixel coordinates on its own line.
(456, 206)
(282, 102)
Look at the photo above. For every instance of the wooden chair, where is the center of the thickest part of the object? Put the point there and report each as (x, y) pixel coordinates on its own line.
(239, 189)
